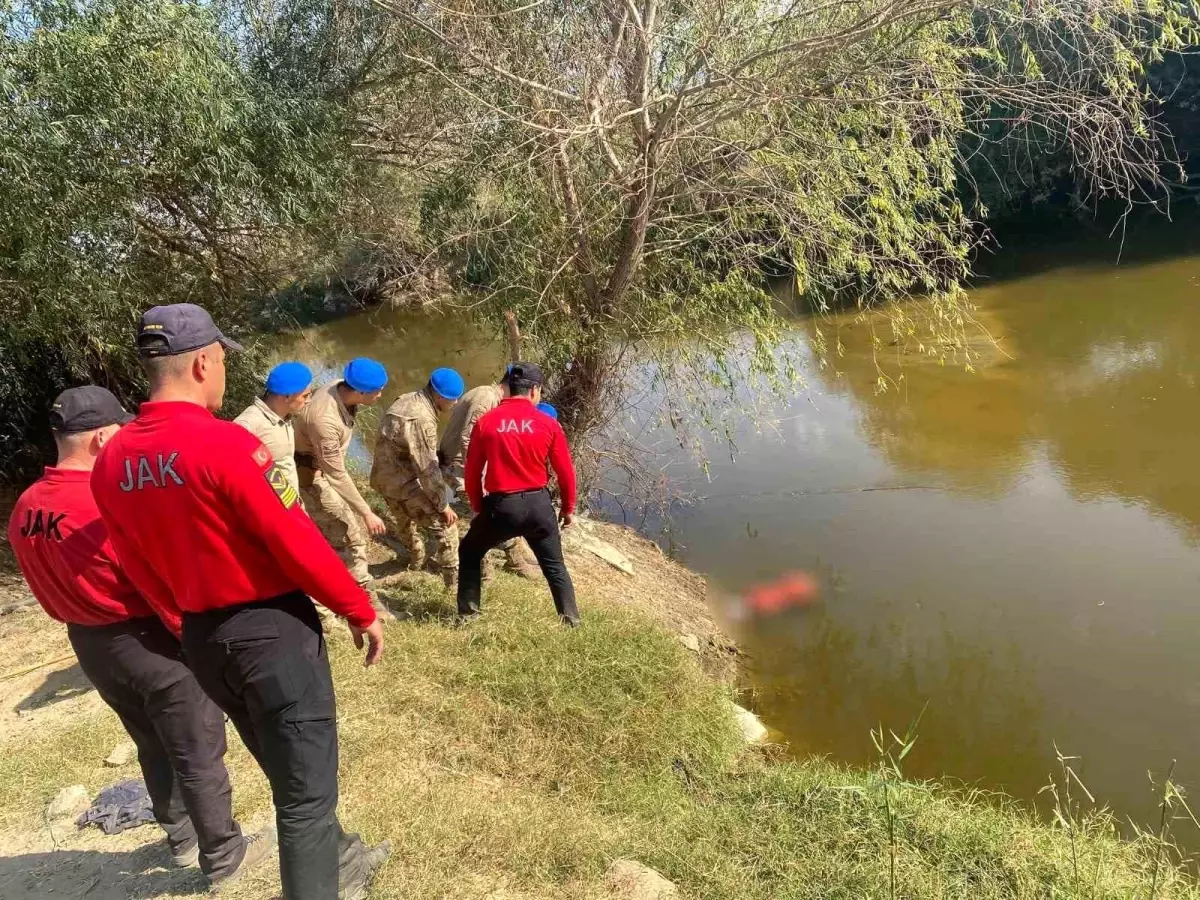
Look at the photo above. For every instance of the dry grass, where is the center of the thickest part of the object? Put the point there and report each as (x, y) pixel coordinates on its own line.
(515, 759)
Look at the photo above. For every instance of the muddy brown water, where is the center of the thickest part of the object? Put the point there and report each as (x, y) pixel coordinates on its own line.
(1013, 551)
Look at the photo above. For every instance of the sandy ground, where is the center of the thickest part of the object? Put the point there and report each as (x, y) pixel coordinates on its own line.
(42, 688)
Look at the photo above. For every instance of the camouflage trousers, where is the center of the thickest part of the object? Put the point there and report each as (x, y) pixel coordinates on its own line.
(340, 524)
(414, 515)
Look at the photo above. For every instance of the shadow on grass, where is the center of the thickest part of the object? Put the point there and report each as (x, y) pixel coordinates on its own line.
(58, 686)
(99, 875)
(417, 595)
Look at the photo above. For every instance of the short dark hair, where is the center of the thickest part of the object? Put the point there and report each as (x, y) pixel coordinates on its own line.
(519, 387)
(64, 441)
(160, 369)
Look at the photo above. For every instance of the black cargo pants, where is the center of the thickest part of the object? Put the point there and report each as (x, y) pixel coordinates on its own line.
(266, 665)
(137, 668)
(527, 514)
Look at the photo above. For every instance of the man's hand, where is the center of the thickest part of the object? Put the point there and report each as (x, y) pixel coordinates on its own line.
(449, 516)
(374, 635)
(375, 525)
(566, 519)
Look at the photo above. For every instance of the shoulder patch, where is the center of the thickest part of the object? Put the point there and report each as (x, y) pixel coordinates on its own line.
(281, 486)
(262, 455)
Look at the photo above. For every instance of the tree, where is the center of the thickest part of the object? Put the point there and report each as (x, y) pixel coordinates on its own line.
(142, 161)
(632, 168)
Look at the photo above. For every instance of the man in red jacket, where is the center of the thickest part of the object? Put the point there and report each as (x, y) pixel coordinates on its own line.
(507, 457)
(129, 655)
(206, 523)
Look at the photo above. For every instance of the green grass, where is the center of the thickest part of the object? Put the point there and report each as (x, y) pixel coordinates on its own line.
(516, 759)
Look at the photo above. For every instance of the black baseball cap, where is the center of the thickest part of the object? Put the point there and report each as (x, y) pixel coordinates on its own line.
(179, 328)
(86, 409)
(529, 373)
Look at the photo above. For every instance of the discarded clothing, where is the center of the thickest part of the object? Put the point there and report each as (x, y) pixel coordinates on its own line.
(119, 807)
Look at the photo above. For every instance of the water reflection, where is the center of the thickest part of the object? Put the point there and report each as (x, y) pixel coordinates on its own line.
(1015, 548)
(1098, 374)
(885, 673)
(1041, 587)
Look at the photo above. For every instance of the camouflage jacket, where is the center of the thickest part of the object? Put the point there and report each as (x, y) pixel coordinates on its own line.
(457, 437)
(406, 461)
(324, 429)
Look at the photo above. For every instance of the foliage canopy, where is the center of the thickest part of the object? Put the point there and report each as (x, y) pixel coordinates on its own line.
(637, 165)
(142, 161)
(629, 169)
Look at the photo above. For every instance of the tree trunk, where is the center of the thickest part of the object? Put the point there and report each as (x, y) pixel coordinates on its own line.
(581, 392)
(514, 336)
(584, 396)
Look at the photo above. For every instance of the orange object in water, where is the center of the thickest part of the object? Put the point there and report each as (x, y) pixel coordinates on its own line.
(794, 590)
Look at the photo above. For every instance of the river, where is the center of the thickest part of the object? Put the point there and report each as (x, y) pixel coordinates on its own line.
(1013, 551)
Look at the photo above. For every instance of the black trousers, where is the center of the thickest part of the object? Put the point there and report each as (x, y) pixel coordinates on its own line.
(527, 514)
(137, 668)
(266, 665)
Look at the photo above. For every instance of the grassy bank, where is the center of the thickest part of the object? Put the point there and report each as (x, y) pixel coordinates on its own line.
(515, 759)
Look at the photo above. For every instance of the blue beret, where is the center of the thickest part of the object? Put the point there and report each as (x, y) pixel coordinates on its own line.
(289, 378)
(365, 375)
(548, 410)
(447, 383)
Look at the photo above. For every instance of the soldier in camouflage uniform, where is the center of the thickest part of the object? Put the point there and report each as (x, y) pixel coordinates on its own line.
(452, 450)
(324, 429)
(406, 473)
(452, 453)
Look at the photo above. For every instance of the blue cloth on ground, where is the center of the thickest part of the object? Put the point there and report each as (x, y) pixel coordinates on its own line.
(119, 807)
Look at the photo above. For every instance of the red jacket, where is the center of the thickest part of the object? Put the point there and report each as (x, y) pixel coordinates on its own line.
(202, 518)
(66, 556)
(513, 443)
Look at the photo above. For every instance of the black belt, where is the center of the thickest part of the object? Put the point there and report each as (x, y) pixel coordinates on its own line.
(134, 623)
(291, 601)
(306, 460)
(517, 493)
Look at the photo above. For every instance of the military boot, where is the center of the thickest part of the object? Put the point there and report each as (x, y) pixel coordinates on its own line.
(186, 859)
(357, 865)
(258, 847)
(517, 560)
(381, 609)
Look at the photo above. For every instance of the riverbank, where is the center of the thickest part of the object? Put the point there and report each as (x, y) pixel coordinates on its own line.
(515, 760)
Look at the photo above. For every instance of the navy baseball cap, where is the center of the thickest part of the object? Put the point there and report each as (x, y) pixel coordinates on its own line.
(179, 328)
(530, 373)
(85, 409)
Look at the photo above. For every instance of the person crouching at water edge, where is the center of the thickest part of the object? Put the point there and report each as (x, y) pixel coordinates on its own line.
(406, 473)
(507, 458)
